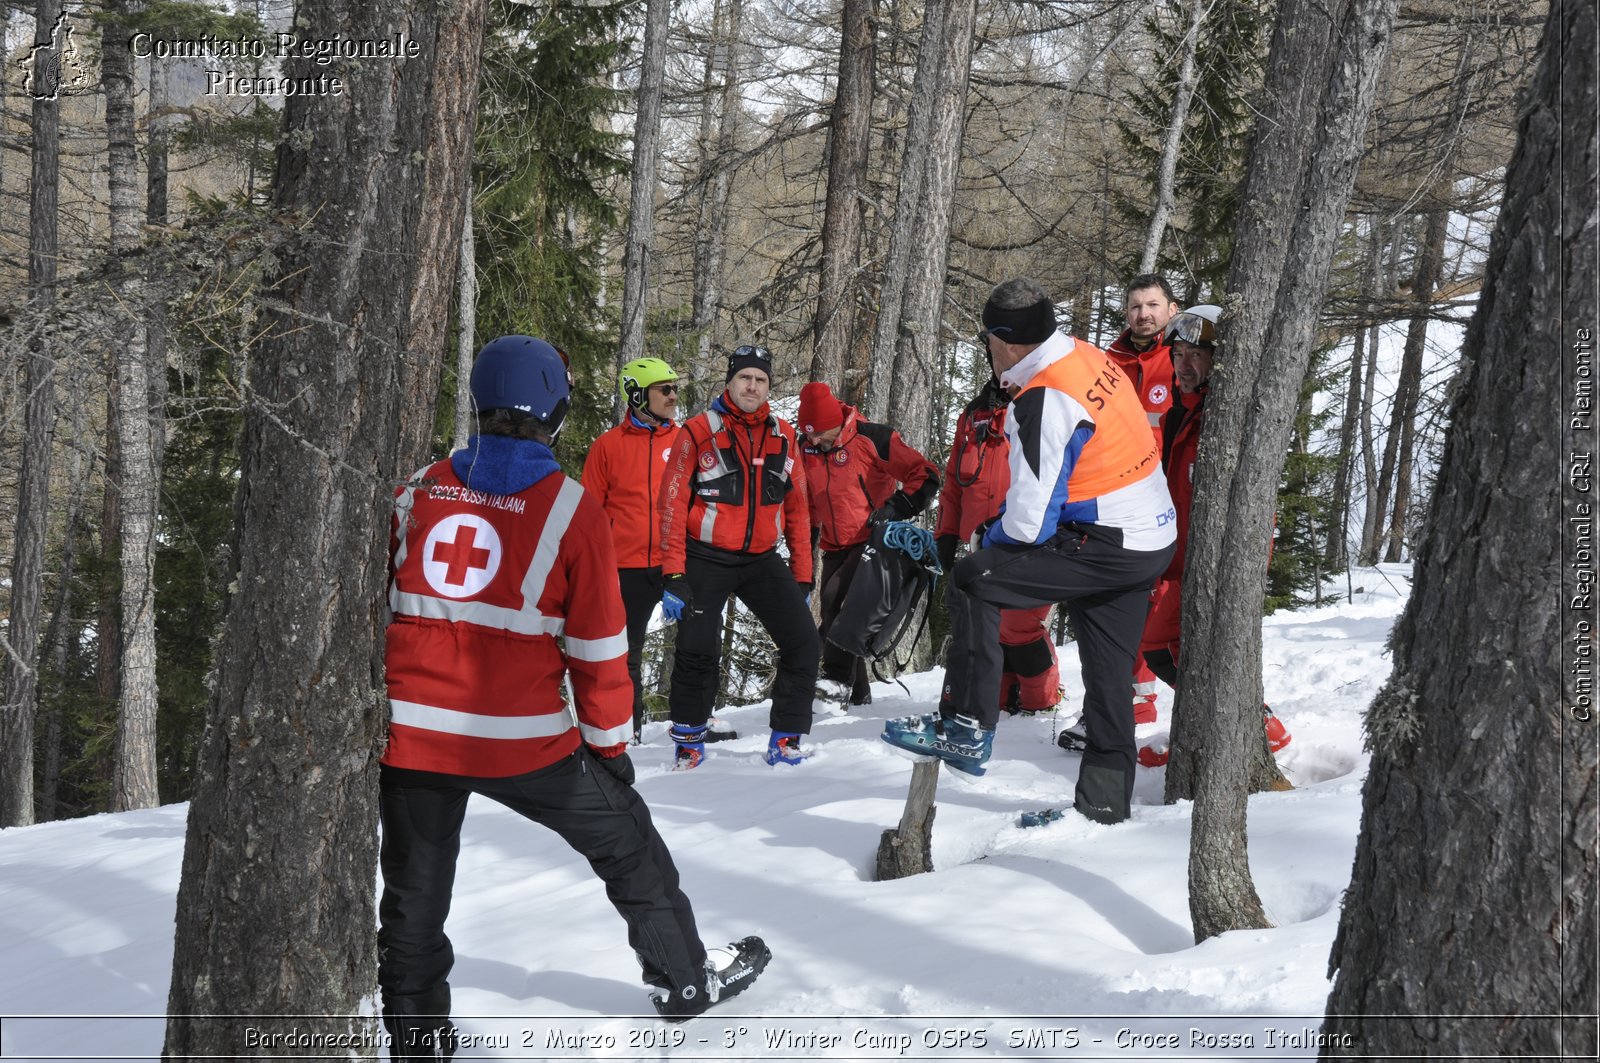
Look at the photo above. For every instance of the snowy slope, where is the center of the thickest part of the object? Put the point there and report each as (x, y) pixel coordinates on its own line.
(1023, 943)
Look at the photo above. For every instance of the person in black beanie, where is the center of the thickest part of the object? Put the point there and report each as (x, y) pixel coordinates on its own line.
(1087, 522)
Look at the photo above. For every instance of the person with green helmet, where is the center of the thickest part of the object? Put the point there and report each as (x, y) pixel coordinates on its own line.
(624, 470)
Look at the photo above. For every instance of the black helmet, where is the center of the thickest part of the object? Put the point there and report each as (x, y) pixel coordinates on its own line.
(523, 374)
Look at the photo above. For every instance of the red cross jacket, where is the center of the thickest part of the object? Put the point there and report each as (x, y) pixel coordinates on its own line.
(735, 483)
(627, 470)
(859, 473)
(496, 598)
(1151, 373)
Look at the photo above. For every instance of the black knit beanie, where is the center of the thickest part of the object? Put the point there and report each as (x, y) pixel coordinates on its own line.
(1023, 326)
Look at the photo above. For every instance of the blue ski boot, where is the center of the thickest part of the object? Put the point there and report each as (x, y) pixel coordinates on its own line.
(691, 746)
(784, 748)
(956, 740)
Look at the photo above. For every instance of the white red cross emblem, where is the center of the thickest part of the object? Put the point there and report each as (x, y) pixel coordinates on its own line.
(461, 555)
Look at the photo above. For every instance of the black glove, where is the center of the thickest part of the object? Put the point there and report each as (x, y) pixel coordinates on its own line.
(897, 507)
(945, 547)
(619, 766)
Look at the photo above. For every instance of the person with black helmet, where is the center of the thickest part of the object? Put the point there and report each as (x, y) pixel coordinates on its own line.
(626, 469)
(503, 587)
(735, 487)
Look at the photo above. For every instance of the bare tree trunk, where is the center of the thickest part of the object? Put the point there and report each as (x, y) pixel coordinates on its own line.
(844, 213)
(466, 325)
(1338, 553)
(717, 128)
(917, 359)
(1430, 262)
(1372, 511)
(902, 233)
(642, 195)
(1172, 143)
(1322, 76)
(21, 702)
(133, 778)
(1468, 930)
(275, 919)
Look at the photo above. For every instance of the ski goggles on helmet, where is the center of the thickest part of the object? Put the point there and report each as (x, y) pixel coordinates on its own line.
(1193, 329)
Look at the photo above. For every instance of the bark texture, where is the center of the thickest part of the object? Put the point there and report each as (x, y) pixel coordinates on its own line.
(20, 705)
(275, 908)
(1321, 79)
(844, 212)
(133, 775)
(642, 195)
(1166, 175)
(1471, 910)
(717, 126)
(908, 850)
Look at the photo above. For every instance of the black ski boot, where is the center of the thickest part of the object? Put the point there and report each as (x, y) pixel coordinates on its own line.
(730, 970)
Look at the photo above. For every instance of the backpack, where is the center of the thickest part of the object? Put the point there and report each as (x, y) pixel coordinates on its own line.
(894, 579)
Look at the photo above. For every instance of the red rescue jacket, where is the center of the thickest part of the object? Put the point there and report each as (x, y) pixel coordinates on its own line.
(495, 600)
(1151, 373)
(978, 472)
(859, 473)
(736, 483)
(627, 471)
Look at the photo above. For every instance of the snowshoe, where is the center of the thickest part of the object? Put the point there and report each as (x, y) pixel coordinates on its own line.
(1039, 818)
(717, 731)
(730, 970)
(832, 697)
(1073, 739)
(958, 740)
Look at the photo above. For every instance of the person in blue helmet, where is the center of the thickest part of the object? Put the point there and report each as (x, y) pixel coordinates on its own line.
(503, 588)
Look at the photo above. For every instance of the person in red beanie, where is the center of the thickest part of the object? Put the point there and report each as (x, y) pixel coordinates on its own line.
(860, 473)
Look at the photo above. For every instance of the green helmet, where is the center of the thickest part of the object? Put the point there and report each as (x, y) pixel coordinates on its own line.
(636, 377)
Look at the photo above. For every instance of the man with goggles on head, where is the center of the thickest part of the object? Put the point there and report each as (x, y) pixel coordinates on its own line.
(735, 486)
(1192, 337)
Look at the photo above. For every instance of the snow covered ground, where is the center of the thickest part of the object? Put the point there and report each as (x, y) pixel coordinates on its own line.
(1066, 941)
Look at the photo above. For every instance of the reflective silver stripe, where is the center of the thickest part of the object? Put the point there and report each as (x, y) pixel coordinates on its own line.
(472, 725)
(1151, 687)
(707, 522)
(544, 555)
(403, 503)
(616, 736)
(606, 649)
(1154, 418)
(525, 621)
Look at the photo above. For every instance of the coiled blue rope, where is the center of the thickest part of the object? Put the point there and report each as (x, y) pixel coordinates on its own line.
(914, 541)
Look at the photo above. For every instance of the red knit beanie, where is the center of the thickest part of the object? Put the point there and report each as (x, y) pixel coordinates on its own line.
(819, 410)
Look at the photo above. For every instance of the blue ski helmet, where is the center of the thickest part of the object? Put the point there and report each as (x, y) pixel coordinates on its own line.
(525, 374)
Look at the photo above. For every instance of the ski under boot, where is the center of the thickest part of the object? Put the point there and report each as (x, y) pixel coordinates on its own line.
(730, 970)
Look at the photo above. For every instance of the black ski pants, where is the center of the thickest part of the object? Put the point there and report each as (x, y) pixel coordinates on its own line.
(1105, 589)
(764, 583)
(641, 593)
(838, 569)
(602, 818)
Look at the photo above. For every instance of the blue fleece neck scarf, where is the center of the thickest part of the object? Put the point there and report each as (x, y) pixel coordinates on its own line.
(500, 465)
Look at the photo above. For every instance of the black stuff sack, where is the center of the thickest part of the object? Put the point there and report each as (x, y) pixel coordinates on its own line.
(894, 577)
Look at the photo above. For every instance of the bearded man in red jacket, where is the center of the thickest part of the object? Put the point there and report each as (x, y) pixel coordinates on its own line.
(858, 473)
(735, 487)
(503, 587)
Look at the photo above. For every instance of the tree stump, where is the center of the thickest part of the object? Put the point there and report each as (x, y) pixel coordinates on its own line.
(908, 850)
